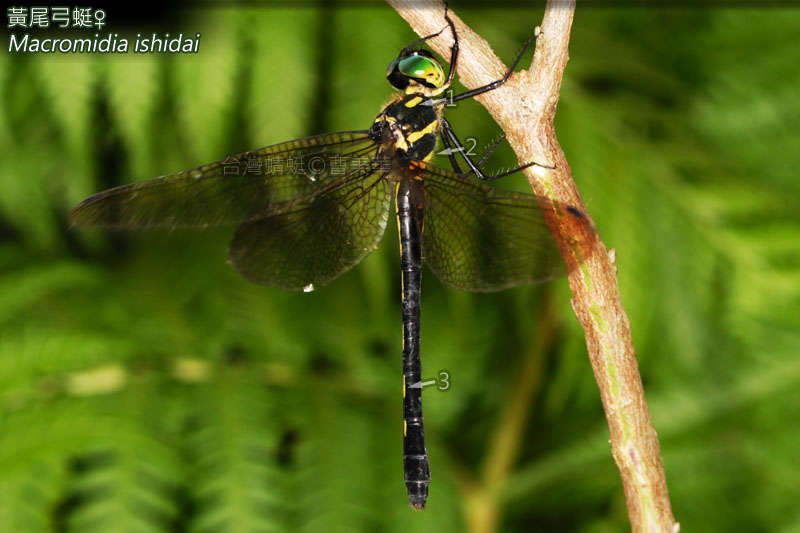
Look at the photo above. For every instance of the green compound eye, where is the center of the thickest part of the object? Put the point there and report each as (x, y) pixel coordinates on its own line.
(424, 68)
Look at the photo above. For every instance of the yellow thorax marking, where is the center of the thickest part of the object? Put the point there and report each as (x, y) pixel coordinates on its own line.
(414, 101)
(400, 141)
(415, 87)
(417, 135)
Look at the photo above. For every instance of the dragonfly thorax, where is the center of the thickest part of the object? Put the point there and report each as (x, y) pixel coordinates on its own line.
(409, 125)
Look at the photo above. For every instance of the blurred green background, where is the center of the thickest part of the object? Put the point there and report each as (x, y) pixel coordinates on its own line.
(145, 387)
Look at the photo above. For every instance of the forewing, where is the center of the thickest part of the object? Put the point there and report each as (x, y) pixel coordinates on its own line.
(231, 190)
(309, 242)
(483, 239)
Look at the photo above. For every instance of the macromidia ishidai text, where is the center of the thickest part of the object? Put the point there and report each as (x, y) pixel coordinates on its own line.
(111, 43)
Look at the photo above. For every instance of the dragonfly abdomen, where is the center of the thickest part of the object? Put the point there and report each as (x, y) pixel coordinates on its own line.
(415, 456)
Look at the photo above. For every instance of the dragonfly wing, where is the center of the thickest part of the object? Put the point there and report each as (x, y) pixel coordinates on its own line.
(231, 190)
(484, 239)
(303, 244)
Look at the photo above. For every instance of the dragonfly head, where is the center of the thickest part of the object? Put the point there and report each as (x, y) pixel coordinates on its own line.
(416, 71)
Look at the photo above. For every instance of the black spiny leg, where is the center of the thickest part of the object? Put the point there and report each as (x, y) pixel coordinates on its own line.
(501, 81)
(453, 49)
(451, 153)
(411, 46)
(447, 132)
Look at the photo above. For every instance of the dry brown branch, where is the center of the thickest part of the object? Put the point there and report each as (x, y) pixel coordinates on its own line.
(524, 107)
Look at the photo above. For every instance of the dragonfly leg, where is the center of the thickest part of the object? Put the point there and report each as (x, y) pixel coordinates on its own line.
(451, 73)
(447, 131)
(451, 154)
(491, 150)
(497, 83)
(453, 49)
(451, 151)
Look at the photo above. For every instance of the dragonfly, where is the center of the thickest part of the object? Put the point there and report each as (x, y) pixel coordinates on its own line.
(308, 210)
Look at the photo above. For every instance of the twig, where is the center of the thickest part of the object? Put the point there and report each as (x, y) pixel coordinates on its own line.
(524, 107)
